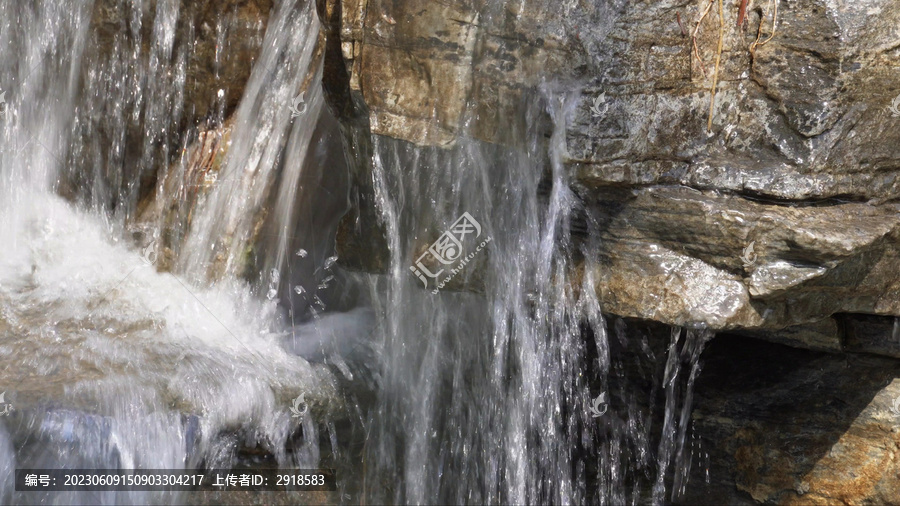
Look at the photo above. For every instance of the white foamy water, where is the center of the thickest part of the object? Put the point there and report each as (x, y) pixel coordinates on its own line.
(133, 367)
(105, 361)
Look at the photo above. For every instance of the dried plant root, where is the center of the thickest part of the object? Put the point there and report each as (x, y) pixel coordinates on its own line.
(694, 36)
(757, 43)
(712, 98)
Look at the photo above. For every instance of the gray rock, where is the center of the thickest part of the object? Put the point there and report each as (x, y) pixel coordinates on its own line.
(681, 256)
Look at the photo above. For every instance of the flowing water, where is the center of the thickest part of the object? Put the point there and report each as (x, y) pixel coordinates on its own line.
(158, 310)
(108, 362)
(495, 406)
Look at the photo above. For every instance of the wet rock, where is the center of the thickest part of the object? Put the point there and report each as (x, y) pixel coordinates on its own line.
(804, 116)
(731, 262)
(823, 335)
(794, 427)
(418, 65)
(872, 334)
(224, 38)
(798, 171)
(153, 74)
(802, 134)
(185, 186)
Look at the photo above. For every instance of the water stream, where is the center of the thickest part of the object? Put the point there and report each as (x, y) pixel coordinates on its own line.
(159, 310)
(108, 361)
(503, 395)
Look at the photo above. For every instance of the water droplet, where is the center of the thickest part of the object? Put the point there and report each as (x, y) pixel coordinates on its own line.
(273, 275)
(272, 294)
(299, 290)
(324, 284)
(330, 261)
(301, 253)
(318, 301)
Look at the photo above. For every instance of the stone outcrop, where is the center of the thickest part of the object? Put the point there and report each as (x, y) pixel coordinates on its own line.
(419, 65)
(780, 216)
(679, 255)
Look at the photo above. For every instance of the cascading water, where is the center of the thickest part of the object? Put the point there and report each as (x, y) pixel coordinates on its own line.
(500, 385)
(224, 227)
(107, 362)
(486, 397)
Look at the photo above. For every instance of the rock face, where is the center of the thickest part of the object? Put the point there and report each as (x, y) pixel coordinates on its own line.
(772, 214)
(778, 217)
(224, 38)
(679, 255)
(418, 64)
(807, 428)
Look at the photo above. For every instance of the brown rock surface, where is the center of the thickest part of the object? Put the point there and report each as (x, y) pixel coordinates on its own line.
(418, 64)
(732, 262)
(801, 163)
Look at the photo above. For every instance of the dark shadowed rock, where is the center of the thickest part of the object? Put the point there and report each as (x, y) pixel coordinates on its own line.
(785, 426)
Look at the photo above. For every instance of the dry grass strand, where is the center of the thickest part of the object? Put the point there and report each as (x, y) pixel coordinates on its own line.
(712, 98)
(757, 43)
(694, 36)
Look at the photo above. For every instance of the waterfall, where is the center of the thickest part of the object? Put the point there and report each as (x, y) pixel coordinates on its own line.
(224, 228)
(108, 360)
(39, 61)
(487, 397)
(168, 263)
(487, 391)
